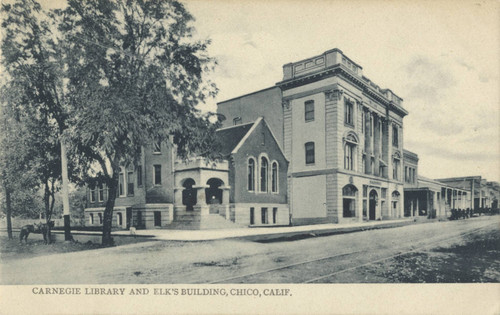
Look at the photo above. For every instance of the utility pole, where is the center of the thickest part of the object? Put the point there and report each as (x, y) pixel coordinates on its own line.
(65, 193)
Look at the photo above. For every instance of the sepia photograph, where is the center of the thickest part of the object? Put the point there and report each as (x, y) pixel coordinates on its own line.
(249, 157)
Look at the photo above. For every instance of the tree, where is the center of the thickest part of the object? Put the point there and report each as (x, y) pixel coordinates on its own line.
(34, 60)
(135, 76)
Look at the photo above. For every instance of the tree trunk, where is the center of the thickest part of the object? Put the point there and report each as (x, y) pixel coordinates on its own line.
(9, 211)
(48, 213)
(107, 240)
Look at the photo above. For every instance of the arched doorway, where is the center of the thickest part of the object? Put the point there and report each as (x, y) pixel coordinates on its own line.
(214, 193)
(189, 194)
(373, 205)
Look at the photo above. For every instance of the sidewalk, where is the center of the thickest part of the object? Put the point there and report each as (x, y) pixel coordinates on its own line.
(260, 234)
(267, 234)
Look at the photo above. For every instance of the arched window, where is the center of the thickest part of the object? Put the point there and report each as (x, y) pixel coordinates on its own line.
(251, 174)
(350, 152)
(263, 174)
(349, 201)
(274, 177)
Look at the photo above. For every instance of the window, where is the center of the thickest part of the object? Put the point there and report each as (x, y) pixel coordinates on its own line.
(251, 174)
(348, 112)
(101, 193)
(237, 121)
(414, 179)
(100, 217)
(130, 183)
(395, 140)
(407, 177)
(263, 174)
(309, 111)
(349, 156)
(91, 218)
(309, 152)
(119, 218)
(371, 125)
(362, 122)
(275, 215)
(157, 174)
(139, 175)
(372, 166)
(274, 177)
(92, 195)
(395, 169)
(157, 147)
(121, 185)
(264, 216)
(252, 216)
(349, 201)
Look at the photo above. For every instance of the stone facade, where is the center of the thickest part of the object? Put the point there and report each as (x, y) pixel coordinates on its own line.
(202, 194)
(343, 136)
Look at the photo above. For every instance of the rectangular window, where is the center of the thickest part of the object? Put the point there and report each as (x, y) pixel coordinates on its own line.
(310, 153)
(348, 112)
(101, 193)
(91, 218)
(395, 140)
(157, 174)
(362, 122)
(371, 126)
(100, 218)
(309, 110)
(384, 193)
(414, 179)
(92, 195)
(130, 183)
(395, 169)
(275, 215)
(252, 216)
(139, 175)
(121, 185)
(407, 177)
(157, 147)
(264, 216)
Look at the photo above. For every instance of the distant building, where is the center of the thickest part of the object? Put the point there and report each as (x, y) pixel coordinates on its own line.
(477, 186)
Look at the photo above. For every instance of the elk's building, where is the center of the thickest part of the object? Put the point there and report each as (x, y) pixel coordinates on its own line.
(342, 134)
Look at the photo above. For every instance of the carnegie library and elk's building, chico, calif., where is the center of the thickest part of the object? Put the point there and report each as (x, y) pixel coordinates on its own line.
(324, 145)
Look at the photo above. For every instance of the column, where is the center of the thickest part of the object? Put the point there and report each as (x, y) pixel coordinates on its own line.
(376, 143)
(201, 199)
(368, 141)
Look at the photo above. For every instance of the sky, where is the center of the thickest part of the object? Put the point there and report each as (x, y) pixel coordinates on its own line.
(441, 57)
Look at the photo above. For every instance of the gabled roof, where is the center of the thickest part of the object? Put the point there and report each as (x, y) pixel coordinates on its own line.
(230, 137)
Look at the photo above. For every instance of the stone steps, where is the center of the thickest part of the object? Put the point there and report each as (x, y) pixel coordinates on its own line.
(196, 221)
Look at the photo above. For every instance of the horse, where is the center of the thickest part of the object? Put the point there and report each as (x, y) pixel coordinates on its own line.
(25, 231)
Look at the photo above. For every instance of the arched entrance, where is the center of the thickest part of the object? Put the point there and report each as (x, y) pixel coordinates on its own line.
(214, 193)
(373, 205)
(189, 194)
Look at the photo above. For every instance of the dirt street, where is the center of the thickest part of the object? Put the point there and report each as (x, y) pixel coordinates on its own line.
(433, 252)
